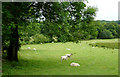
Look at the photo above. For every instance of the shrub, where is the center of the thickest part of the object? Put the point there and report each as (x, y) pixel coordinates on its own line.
(106, 34)
(40, 38)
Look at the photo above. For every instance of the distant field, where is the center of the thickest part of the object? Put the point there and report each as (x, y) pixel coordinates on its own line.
(106, 44)
(47, 59)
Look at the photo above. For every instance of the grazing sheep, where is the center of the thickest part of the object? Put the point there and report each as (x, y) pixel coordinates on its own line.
(67, 49)
(68, 55)
(40, 43)
(28, 48)
(34, 49)
(74, 64)
(52, 41)
(63, 58)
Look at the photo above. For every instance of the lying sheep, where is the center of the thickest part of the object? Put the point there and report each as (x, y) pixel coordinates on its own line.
(28, 48)
(68, 55)
(34, 49)
(74, 64)
(63, 58)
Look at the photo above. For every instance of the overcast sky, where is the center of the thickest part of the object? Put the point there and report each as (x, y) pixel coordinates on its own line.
(107, 9)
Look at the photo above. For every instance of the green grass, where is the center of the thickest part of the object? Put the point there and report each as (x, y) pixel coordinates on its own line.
(107, 44)
(47, 60)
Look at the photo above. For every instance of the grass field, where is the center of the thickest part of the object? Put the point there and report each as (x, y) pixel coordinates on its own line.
(47, 60)
(106, 44)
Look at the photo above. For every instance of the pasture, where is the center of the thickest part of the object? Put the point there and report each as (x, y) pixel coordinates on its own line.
(46, 60)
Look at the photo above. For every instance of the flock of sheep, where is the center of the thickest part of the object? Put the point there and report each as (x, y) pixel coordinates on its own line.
(65, 57)
(68, 56)
(33, 48)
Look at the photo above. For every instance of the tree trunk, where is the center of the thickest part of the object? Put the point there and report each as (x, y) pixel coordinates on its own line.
(14, 45)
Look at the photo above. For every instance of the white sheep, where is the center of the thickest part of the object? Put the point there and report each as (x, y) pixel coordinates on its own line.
(67, 49)
(74, 64)
(52, 41)
(34, 49)
(28, 48)
(68, 55)
(63, 58)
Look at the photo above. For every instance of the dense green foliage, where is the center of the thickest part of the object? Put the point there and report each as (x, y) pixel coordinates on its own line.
(39, 38)
(105, 34)
(46, 60)
(32, 34)
(97, 29)
(107, 30)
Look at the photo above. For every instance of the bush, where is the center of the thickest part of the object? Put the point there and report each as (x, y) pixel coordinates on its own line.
(106, 34)
(36, 39)
(40, 38)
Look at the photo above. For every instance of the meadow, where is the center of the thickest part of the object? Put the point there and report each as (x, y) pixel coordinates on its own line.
(46, 60)
(106, 44)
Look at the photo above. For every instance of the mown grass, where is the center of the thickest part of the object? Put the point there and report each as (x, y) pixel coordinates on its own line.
(47, 60)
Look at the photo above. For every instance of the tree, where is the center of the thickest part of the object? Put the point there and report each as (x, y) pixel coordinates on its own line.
(14, 15)
(110, 26)
(106, 34)
(67, 21)
(27, 32)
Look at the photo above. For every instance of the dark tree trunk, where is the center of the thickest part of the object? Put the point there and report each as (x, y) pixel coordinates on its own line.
(14, 45)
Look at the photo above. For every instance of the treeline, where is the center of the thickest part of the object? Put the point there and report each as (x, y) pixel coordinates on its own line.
(39, 33)
(108, 29)
(118, 22)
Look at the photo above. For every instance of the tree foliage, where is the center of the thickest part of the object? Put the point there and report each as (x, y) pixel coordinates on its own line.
(107, 30)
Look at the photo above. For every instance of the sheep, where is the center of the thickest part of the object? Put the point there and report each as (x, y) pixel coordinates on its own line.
(68, 55)
(28, 48)
(67, 49)
(34, 49)
(74, 64)
(52, 41)
(63, 58)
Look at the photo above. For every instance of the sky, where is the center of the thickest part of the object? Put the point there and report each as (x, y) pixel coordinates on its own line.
(107, 9)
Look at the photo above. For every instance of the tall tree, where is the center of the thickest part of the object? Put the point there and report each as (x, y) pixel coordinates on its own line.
(14, 15)
(64, 20)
